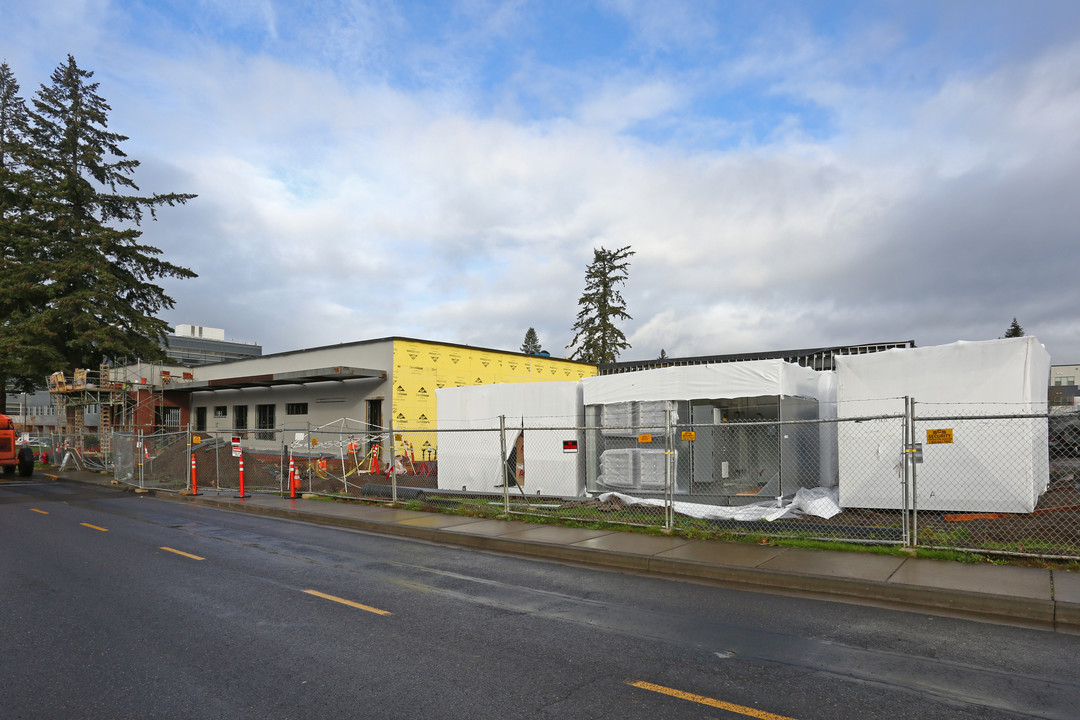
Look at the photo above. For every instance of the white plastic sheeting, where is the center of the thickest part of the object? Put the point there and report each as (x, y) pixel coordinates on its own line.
(820, 502)
(828, 460)
(471, 460)
(640, 400)
(692, 382)
(991, 465)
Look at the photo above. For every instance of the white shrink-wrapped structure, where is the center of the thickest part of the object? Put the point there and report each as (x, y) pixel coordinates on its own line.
(543, 438)
(730, 440)
(972, 463)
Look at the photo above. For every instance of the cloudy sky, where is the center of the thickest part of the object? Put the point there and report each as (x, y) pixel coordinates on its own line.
(789, 174)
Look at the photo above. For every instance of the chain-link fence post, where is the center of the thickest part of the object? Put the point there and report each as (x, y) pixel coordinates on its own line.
(310, 449)
(669, 471)
(281, 466)
(192, 478)
(502, 463)
(393, 463)
(914, 480)
(217, 462)
(908, 430)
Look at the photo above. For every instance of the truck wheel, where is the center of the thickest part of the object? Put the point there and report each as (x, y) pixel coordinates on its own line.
(26, 462)
(8, 469)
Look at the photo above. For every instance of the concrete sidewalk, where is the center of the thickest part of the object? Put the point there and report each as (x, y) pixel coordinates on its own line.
(1048, 599)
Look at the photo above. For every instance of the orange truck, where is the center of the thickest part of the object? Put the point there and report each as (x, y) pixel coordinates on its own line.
(12, 455)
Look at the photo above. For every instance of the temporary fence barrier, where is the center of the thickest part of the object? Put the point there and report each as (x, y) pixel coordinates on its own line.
(985, 478)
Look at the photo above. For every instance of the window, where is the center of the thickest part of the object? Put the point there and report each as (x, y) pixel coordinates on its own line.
(166, 418)
(200, 419)
(264, 420)
(1065, 380)
(239, 413)
(296, 408)
(221, 411)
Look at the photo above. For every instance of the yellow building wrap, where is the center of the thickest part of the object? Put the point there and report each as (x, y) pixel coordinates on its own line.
(420, 368)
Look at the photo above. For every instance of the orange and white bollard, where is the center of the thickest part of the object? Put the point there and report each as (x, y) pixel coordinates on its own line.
(242, 494)
(292, 478)
(194, 482)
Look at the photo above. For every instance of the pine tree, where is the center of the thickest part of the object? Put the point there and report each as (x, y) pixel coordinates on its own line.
(531, 346)
(1014, 330)
(102, 295)
(596, 337)
(26, 349)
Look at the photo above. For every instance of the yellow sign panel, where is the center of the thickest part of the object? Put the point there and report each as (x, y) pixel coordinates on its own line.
(688, 435)
(939, 437)
(195, 439)
(644, 438)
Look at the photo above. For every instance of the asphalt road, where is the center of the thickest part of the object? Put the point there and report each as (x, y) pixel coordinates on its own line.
(124, 606)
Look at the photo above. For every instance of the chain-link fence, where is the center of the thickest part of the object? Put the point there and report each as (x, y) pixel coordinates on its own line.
(158, 460)
(994, 479)
(77, 450)
(335, 460)
(987, 478)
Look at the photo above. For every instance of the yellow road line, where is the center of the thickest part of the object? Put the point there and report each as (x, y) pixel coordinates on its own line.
(181, 552)
(350, 603)
(95, 527)
(43, 512)
(711, 702)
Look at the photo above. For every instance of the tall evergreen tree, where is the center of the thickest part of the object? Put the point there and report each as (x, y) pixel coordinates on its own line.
(531, 346)
(103, 298)
(596, 337)
(1014, 330)
(26, 349)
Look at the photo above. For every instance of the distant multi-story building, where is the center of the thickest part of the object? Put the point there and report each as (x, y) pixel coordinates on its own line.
(1064, 375)
(193, 345)
(1063, 387)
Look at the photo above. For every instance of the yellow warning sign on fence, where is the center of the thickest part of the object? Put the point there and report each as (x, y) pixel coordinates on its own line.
(644, 438)
(939, 437)
(688, 435)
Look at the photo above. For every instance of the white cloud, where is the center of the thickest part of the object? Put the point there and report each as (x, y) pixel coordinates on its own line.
(338, 205)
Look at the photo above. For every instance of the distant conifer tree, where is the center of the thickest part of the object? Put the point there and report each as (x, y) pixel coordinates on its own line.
(1014, 330)
(531, 346)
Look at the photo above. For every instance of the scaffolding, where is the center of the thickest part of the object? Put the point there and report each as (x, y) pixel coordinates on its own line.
(122, 395)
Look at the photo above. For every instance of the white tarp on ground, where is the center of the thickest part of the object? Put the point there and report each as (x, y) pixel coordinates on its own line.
(471, 460)
(694, 382)
(990, 466)
(820, 502)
